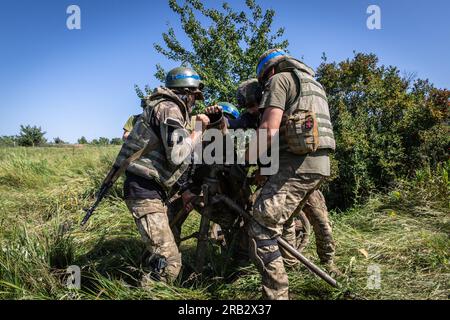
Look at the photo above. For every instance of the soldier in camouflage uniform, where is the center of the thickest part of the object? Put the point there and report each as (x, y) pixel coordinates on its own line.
(128, 126)
(249, 96)
(317, 213)
(294, 105)
(151, 178)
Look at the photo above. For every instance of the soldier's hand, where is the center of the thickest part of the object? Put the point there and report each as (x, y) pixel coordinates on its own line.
(203, 118)
(213, 109)
(187, 198)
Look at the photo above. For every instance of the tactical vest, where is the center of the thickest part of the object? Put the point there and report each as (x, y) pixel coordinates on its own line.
(154, 165)
(306, 124)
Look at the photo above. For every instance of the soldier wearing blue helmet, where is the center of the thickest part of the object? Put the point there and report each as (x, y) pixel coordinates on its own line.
(294, 107)
(154, 176)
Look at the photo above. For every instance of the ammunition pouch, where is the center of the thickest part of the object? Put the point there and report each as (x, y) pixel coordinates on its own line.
(302, 133)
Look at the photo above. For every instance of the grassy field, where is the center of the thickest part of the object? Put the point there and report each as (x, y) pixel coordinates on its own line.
(43, 192)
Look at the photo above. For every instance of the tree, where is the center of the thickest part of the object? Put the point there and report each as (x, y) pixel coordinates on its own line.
(103, 141)
(224, 50)
(31, 136)
(8, 141)
(82, 140)
(141, 94)
(58, 140)
(116, 141)
(386, 126)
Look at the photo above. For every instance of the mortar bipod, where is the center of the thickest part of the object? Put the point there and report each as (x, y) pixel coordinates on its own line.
(210, 188)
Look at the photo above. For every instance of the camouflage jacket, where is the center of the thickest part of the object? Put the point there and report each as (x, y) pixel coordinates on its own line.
(165, 118)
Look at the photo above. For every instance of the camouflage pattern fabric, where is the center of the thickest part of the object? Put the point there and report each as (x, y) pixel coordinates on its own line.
(158, 164)
(248, 93)
(174, 207)
(282, 194)
(152, 221)
(317, 213)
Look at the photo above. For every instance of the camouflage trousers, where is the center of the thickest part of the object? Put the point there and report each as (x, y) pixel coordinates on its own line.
(317, 213)
(281, 195)
(152, 221)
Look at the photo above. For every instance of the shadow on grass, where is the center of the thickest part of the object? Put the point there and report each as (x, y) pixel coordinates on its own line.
(219, 270)
(118, 258)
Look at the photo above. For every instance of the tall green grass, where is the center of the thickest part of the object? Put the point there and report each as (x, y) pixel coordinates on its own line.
(43, 192)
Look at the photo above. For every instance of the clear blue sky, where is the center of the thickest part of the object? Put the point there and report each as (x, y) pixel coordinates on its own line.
(80, 82)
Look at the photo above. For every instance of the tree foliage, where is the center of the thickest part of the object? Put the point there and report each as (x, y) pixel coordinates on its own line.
(141, 94)
(8, 141)
(225, 49)
(31, 136)
(116, 141)
(58, 140)
(82, 140)
(386, 125)
(103, 141)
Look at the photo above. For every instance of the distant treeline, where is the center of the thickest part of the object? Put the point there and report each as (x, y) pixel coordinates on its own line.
(33, 136)
(101, 141)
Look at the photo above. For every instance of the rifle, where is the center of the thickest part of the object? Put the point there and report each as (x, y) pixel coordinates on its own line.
(108, 182)
(114, 174)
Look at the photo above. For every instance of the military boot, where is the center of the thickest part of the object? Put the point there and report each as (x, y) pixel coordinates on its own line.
(332, 269)
(155, 264)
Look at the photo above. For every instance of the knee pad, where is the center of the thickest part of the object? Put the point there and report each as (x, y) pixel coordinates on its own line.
(261, 253)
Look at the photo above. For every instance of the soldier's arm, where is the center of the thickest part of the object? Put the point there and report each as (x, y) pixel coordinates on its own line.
(246, 121)
(178, 142)
(272, 105)
(269, 127)
(172, 132)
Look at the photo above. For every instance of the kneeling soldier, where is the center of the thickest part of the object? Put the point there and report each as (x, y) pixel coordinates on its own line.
(150, 178)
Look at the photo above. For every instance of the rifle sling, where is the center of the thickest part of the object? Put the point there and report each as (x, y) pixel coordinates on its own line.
(149, 147)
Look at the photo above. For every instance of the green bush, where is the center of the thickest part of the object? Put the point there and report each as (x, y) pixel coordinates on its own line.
(8, 141)
(387, 126)
(82, 140)
(116, 141)
(31, 136)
